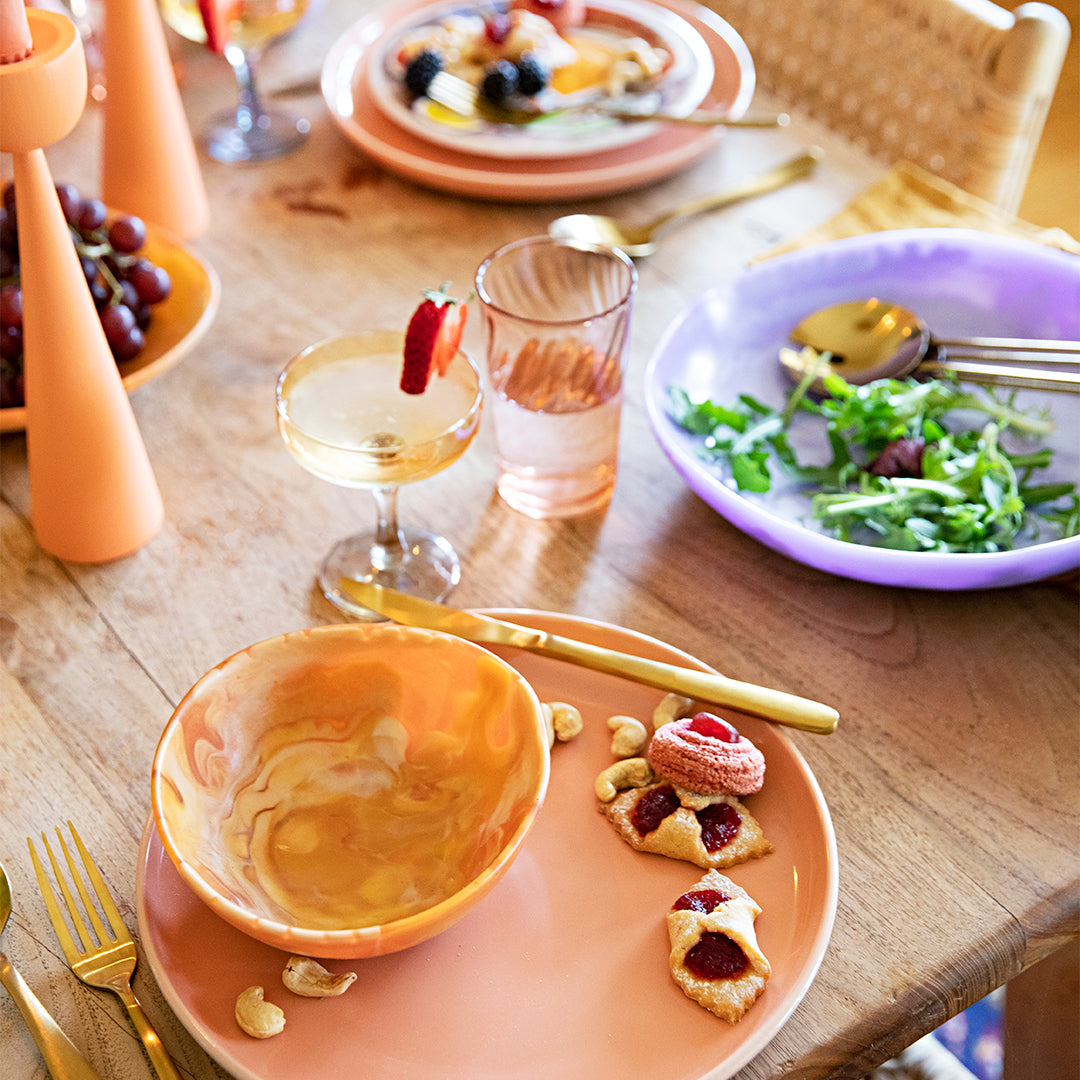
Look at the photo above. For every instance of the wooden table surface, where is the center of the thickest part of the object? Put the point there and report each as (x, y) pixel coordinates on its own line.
(952, 779)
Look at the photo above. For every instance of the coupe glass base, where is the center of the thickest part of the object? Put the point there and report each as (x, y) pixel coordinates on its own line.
(247, 136)
(428, 567)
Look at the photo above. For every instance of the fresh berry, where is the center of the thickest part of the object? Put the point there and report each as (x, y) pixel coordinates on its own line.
(706, 724)
(500, 82)
(497, 27)
(432, 339)
(533, 74)
(421, 70)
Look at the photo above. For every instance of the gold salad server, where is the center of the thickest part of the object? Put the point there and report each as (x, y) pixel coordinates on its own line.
(774, 705)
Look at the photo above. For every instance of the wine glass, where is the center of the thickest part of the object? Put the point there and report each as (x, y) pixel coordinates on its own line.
(344, 418)
(250, 132)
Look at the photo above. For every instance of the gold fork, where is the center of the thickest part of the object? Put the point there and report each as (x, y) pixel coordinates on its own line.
(109, 963)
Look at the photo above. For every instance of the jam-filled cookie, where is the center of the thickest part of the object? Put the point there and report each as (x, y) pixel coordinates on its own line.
(711, 831)
(715, 958)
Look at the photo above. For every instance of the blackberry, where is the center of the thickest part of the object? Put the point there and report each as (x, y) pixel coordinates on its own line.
(533, 74)
(500, 82)
(421, 70)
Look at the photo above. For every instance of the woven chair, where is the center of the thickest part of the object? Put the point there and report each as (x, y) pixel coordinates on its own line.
(959, 87)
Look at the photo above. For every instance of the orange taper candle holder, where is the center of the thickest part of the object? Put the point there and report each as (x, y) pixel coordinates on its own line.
(93, 496)
(150, 167)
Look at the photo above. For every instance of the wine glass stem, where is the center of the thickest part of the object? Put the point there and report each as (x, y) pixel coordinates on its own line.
(250, 105)
(387, 547)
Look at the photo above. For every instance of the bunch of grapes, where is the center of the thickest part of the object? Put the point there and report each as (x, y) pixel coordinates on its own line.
(124, 284)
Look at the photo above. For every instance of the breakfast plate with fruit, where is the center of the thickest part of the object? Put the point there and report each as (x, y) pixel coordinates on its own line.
(347, 91)
(563, 970)
(535, 75)
(169, 328)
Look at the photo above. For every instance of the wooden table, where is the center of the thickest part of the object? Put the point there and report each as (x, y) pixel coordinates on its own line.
(952, 781)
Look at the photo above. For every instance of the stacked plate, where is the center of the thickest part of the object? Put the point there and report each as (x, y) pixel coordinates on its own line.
(708, 66)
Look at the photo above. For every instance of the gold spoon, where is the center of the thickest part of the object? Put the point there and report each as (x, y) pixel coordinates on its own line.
(638, 240)
(874, 339)
(63, 1059)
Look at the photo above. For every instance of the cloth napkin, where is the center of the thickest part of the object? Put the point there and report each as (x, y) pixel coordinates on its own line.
(908, 197)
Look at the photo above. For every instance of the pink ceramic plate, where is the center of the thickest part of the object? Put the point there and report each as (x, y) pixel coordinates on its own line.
(350, 100)
(562, 971)
(682, 87)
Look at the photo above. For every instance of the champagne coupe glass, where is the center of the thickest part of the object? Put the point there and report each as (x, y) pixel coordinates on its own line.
(250, 132)
(344, 418)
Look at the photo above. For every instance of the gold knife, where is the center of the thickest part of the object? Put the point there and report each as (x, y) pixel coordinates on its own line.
(774, 705)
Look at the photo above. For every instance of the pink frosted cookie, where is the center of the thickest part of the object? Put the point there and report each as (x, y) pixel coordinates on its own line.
(707, 755)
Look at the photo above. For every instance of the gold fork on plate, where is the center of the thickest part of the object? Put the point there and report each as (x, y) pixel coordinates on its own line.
(108, 963)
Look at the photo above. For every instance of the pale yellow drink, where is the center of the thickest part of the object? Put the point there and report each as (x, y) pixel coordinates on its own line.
(252, 22)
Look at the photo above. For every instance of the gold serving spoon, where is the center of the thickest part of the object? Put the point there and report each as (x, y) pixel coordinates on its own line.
(62, 1058)
(874, 339)
(639, 240)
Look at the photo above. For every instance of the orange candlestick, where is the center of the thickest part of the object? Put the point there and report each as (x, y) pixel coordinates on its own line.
(150, 167)
(93, 496)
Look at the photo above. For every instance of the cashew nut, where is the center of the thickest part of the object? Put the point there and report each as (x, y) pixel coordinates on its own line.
(309, 978)
(629, 773)
(549, 721)
(629, 737)
(258, 1018)
(672, 707)
(566, 720)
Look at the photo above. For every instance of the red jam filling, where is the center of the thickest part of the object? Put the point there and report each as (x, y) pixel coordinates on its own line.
(705, 723)
(716, 956)
(719, 824)
(652, 808)
(703, 900)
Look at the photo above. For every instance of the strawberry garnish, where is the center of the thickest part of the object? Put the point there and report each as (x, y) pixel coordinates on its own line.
(432, 338)
(215, 16)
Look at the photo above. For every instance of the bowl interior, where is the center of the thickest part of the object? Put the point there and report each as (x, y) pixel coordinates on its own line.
(320, 787)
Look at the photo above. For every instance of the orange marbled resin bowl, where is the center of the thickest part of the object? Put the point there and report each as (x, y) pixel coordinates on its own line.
(350, 791)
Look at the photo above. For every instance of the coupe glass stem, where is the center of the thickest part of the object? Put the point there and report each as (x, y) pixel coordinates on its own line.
(249, 108)
(387, 549)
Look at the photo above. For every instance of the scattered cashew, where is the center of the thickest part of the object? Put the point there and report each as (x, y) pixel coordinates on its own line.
(672, 707)
(629, 773)
(629, 736)
(564, 721)
(549, 721)
(309, 978)
(258, 1018)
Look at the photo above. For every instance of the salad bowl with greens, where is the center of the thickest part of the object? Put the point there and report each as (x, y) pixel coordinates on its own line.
(919, 483)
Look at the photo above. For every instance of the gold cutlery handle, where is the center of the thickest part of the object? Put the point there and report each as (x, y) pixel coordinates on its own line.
(155, 1048)
(774, 705)
(63, 1059)
(698, 118)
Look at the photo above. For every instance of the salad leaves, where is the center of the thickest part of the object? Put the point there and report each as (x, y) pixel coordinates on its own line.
(907, 468)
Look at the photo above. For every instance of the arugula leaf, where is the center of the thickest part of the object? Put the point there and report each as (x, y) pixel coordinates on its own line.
(971, 496)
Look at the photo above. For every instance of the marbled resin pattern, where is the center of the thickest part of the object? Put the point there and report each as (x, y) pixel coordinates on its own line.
(350, 788)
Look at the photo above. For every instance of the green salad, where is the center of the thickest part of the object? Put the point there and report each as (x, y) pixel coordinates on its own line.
(913, 465)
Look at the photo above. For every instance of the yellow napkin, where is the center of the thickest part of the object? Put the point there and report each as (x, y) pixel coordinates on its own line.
(908, 197)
